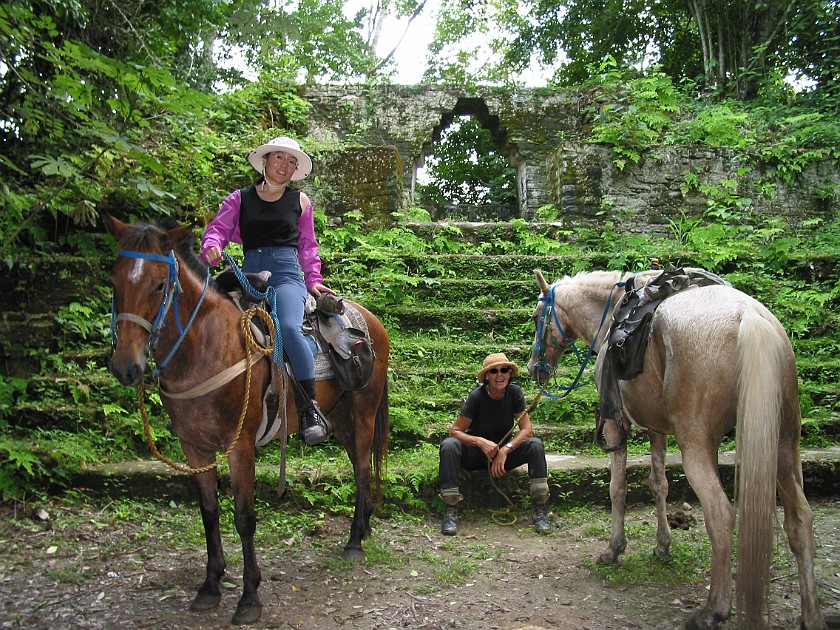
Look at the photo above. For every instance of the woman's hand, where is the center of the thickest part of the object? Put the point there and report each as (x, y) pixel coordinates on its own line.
(212, 256)
(318, 288)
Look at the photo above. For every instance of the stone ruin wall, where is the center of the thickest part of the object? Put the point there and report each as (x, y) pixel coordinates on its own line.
(587, 186)
(385, 133)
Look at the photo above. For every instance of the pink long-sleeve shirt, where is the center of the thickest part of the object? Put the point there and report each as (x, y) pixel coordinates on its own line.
(224, 228)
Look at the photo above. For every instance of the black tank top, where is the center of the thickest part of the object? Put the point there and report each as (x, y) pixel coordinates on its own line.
(269, 223)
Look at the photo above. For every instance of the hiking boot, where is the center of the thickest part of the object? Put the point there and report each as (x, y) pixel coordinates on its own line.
(449, 524)
(542, 524)
(314, 426)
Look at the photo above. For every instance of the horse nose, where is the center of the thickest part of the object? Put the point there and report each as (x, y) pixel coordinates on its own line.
(538, 372)
(128, 372)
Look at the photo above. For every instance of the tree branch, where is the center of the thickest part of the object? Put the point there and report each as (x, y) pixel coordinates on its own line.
(388, 57)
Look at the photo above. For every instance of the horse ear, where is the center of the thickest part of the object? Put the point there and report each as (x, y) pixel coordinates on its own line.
(541, 283)
(178, 234)
(113, 225)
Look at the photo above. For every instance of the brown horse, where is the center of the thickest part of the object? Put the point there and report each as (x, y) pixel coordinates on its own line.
(165, 306)
(715, 356)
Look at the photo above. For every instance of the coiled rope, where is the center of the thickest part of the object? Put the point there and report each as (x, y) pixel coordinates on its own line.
(250, 346)
(505, 516)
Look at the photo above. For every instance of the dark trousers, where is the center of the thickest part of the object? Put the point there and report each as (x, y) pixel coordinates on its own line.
(454, 455)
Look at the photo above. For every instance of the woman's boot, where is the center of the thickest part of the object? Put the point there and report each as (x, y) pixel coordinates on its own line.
(314, 426)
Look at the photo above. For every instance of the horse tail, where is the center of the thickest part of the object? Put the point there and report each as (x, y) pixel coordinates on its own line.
(761, 351)
(381, 433)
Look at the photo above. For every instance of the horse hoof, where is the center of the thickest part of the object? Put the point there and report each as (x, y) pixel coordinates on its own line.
(702, 621)
(247, 614)
(205, 601)
(354, 555)
(608, 557)
(661, 552)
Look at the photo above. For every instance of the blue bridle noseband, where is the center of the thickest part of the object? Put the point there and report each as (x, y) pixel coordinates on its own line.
(549, 315)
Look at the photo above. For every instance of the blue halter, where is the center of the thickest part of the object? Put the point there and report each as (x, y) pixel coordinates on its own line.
(543, 338)
(170, 299)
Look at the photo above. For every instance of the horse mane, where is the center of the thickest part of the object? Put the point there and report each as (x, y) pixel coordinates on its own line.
(141, 237)
(595, 276)
(186, 248)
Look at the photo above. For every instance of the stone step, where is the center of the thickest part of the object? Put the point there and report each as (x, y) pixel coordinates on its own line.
(513, 266)
(572, 479)
(471, 323)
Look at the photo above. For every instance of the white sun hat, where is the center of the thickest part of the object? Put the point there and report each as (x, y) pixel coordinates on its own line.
(286, 145)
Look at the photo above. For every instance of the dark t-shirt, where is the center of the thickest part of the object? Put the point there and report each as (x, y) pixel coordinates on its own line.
(492, 419)
(269, 223)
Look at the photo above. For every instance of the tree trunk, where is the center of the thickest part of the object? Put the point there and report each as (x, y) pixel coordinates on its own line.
(697, 9)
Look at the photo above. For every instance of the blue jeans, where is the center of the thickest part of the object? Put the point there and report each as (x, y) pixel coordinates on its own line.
(287, 280)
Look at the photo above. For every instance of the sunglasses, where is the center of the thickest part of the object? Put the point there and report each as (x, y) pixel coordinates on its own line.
(503, 370)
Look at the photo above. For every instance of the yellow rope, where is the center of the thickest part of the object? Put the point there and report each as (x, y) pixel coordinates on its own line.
(250, 344)
(497, 515)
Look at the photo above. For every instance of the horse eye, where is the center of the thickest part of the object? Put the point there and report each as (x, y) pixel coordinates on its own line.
(159, 288)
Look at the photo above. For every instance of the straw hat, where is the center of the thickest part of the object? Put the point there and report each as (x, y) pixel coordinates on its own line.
(498, 359)
(286, 145)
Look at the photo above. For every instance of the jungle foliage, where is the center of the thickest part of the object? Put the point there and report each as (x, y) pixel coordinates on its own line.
(136, 104)
(466, 168)
(116, 107)
(725, 47)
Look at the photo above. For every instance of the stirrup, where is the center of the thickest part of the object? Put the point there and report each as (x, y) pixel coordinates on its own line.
(314, 425)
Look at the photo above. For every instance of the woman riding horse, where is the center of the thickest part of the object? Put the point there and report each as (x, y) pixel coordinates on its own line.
(164, 305)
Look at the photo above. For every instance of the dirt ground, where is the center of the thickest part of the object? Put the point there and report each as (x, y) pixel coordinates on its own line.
(99, 573)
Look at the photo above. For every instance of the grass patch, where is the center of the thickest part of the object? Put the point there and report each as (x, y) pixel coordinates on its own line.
(455, 572)
(688, 562)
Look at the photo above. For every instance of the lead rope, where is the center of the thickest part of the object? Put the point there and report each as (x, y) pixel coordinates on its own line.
(505, 513)
(250, 344)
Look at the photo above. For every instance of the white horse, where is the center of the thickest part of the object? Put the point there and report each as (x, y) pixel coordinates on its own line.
(715, 357)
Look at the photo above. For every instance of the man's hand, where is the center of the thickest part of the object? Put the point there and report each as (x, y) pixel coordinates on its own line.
(488, 448)
(498, 467)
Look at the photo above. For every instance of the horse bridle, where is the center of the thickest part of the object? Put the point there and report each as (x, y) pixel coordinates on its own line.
(170, 299)
(543, 336)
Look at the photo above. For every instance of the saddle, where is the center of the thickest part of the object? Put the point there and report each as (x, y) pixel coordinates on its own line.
(349, 348)
(332, 333)
(627, 339)
(228, 282)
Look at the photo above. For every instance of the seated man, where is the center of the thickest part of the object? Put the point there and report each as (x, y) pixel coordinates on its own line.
(487, 417)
